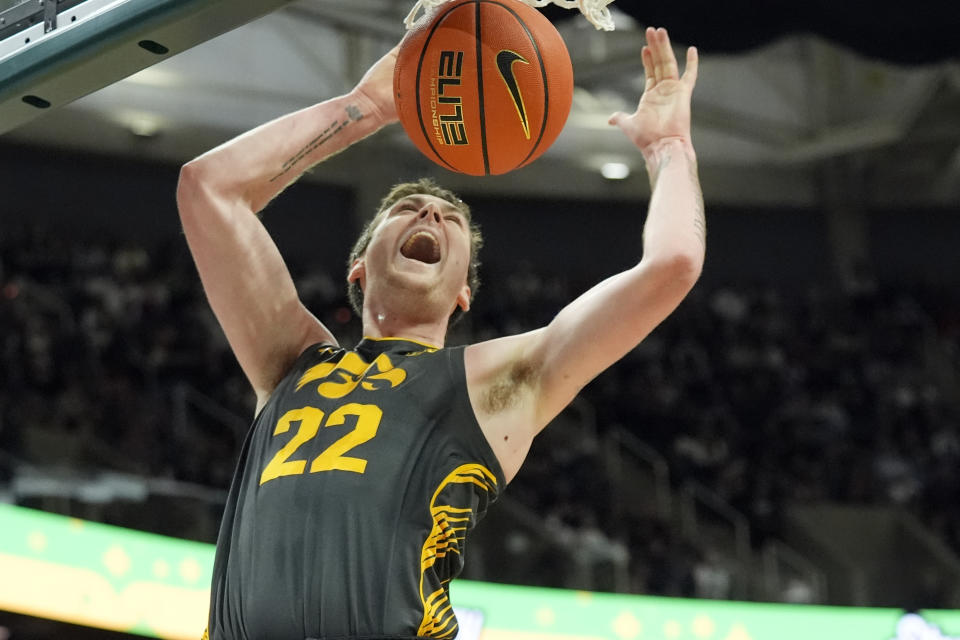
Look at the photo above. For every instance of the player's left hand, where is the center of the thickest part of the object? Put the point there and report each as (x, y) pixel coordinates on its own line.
(664, 109)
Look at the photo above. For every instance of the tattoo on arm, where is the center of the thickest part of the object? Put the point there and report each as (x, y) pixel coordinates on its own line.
(664, 162)
(699, 219)
(654, 175)
(353, 114)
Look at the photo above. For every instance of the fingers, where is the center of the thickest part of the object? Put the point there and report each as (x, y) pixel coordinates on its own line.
(648, 73)
(690, 71)
(663, 62)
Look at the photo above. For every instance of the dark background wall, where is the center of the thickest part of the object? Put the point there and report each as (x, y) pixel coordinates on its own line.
(916, 245)
(82, 196)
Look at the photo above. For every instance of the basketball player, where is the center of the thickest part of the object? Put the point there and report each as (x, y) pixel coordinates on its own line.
(366, 466)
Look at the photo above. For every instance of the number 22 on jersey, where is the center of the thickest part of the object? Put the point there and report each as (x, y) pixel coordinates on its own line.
(332, 458)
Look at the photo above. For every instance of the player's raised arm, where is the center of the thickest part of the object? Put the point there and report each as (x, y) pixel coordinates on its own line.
(219, 193)
(518, 384)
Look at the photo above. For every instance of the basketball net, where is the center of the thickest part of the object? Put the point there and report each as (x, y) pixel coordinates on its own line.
(594, 10)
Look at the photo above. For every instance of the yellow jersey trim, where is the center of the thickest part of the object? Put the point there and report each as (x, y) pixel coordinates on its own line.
(422, 344)
(439, 620)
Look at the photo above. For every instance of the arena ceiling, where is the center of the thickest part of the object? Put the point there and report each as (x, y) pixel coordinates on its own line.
(797, 103)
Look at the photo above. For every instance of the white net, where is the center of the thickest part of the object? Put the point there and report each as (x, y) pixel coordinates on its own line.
(595, 11)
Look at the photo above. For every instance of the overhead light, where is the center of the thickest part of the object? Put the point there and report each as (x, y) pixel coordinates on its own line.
(614, 170)
(154, 77)
(144, 127)
(143, 124)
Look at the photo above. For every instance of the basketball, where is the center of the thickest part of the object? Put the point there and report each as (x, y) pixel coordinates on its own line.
(483, 87)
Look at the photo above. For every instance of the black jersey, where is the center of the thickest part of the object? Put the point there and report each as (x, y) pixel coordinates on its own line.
(355, 489)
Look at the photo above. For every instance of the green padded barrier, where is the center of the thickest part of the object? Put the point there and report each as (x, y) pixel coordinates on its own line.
(105, 576)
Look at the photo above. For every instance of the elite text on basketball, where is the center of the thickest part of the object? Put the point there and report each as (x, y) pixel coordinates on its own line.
(446, 107)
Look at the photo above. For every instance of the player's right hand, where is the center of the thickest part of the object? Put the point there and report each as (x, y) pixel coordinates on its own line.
(377, 86)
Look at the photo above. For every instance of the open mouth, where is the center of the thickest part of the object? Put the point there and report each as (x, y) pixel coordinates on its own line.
(421, 246)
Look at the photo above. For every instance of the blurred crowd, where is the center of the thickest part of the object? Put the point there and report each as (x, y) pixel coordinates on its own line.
(766, 394)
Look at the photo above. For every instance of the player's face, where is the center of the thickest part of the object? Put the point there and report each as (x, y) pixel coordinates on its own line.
(421, 244)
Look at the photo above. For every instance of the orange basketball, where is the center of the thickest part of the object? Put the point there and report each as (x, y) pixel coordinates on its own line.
(483, 87)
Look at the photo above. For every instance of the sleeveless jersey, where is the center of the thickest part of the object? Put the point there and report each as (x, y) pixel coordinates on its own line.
(355, 489)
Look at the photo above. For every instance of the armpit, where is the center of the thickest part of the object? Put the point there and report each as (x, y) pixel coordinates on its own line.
(508, 389)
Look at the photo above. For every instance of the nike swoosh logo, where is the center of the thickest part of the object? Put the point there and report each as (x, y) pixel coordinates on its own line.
(505, 61)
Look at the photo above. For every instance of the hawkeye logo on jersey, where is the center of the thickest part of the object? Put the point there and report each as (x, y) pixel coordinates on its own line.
(448, 126)
(342, 377)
